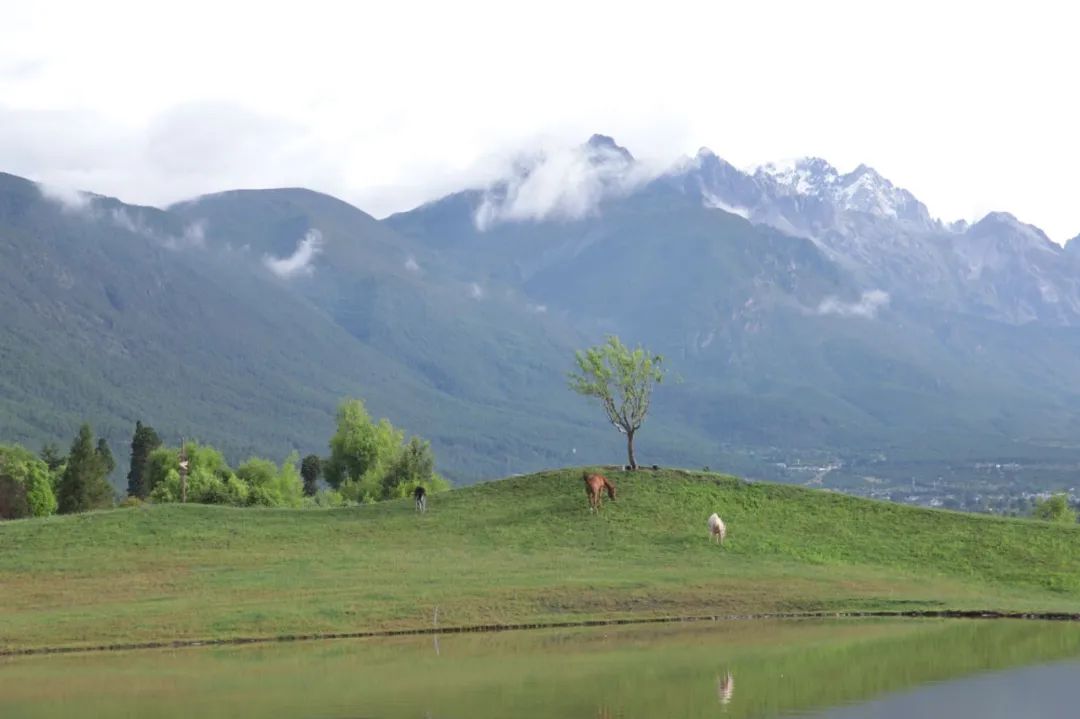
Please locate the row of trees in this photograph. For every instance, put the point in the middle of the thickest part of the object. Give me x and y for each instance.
(368, 461)
(39, 485)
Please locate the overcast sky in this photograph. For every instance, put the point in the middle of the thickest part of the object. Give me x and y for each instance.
(971, 106)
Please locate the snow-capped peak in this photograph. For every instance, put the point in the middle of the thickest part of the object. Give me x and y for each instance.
(802, 176)
(864, 190)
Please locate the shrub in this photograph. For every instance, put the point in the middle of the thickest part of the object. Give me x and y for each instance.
(269, 486)
(1055, 509)
(26, 486)
(327, 498)
(39, 492)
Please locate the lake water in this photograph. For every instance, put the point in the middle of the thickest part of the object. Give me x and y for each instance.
(840, 669)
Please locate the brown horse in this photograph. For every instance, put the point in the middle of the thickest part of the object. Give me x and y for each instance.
(594, 484)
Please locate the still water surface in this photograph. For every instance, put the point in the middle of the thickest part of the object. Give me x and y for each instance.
(839, 669)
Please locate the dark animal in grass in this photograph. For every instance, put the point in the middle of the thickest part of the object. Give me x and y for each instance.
(594, 485)
(420, 496)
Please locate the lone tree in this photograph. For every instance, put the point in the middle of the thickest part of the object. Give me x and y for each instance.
(143, 442)
(310, 469)
(622, 379)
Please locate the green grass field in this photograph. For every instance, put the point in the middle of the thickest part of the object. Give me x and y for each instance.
(518, 550)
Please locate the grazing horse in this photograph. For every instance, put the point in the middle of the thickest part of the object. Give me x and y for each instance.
(717, 528)
(420, 496)
(594, 484)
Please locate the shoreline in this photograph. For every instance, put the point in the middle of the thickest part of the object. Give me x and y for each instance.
(525, 626)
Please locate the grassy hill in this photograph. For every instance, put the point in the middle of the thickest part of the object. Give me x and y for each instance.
(518, 550)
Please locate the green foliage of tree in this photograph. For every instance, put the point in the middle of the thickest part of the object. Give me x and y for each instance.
(83, 485)
(414, 466)
(25, 484)
(327, 498)
(203, 487)
(369, 460)
(288, 484)
(310, 469)
(622, 380)
(257, 482)
(106, 456)
(158, 464)
(50, 454)
(360, 447)
(144, 441)
(201, 457)
(1054, 509)
(270, 486)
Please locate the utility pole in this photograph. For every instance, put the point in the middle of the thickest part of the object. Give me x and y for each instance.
(184, 463)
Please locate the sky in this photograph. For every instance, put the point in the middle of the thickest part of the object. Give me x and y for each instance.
(971, 106)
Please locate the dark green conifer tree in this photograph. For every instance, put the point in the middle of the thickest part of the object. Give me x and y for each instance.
(310, 469)
(143, 442)
(83, 485)
(50, 455)
(106, 456)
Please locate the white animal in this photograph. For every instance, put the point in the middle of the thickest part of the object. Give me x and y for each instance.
(717, 528)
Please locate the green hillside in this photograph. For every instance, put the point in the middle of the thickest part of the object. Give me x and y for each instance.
(519, 550)
(114, 313)
(104, 322)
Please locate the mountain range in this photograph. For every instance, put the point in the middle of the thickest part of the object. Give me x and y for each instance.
(823, 326)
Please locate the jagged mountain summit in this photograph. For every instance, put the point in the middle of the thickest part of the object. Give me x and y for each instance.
(888, 238)
(882, 235)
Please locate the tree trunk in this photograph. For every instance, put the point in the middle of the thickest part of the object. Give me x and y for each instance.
(630, 449)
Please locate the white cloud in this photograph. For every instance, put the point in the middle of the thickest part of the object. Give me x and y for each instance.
(412, 265)
(122, 219)
(867, 306)
(537, 309)
(711, 200)
(562, 183)
(131, 219)
(476, 291)
(300, 261)
(128, 219)
(69, 199)
(194, 236)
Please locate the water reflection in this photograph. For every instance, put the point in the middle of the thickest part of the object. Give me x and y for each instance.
(687, 670)
(725, 688)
